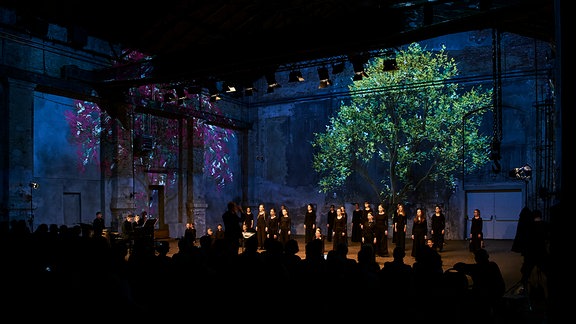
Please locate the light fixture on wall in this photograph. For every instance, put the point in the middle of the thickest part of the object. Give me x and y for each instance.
(214, 92)
(272, 83)
(249, 90)
(324, 77)
(295, 76)
(229, 87)
(358, 62)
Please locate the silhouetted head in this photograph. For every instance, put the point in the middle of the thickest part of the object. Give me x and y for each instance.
(291, 247)
(314, 249)
(232, 206)
(481, 256)
(366, 254)
(398, 253)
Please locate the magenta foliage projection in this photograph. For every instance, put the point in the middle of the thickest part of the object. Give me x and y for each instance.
(89, 125)
(86, 124)
(212, 139)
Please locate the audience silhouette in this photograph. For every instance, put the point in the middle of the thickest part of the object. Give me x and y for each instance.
(61, 259)
(488, 286)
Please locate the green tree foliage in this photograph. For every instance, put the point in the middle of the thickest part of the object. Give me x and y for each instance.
(411, 128)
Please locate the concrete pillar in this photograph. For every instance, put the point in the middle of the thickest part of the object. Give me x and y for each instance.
(19, 148)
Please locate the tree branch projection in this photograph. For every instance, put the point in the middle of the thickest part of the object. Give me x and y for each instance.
(407, 132)
(155, 118)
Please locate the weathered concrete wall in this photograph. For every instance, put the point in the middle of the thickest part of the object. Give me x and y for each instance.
(279, 169)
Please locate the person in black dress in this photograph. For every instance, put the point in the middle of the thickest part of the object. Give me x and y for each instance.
(400, 220)
(381, 231)
(476, 234)
(248, 218)
(340, 232)
(285, 227)
(357, 221)
(273, 225)
(309, 223)
(232, 227)
(438, 221)
(369, 231)
(261, 224)
(330, 223)
(419, 232)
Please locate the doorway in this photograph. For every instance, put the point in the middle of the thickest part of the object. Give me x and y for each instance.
(499, 211)
(156, 210)
(72, 208)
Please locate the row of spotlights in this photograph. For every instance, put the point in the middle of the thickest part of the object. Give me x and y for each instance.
(296, 76)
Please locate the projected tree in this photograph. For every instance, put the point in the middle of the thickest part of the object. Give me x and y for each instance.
(411, 130)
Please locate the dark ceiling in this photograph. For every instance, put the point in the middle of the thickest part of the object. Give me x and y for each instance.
(199, 39)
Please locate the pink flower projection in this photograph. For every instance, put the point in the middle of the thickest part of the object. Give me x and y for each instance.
(90, 127)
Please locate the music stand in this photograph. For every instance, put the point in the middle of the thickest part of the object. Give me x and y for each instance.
(148, 227)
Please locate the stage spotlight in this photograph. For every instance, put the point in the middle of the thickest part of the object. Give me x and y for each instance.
(324, 84)
(34, 185)
(214, 92)
(521, 173)
(295, 76)
(229, 87)
(358, 66)
(324, 78)
(249, 90)
(180, 94)
(272, 83)
(359, 75)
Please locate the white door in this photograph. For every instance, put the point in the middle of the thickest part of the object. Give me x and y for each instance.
(499, 211)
